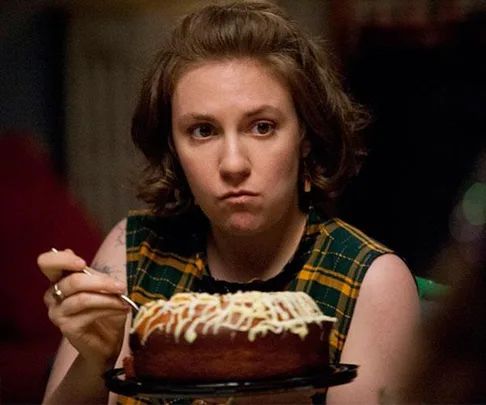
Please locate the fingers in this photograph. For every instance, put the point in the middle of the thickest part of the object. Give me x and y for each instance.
(70, 326)
(95, 282)
(83, 301)
(53, 264)
(80, 291)
(99, 316)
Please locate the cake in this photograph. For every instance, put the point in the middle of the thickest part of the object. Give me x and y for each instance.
(200, 337)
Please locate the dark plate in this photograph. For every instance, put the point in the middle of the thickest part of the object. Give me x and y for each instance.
(335, 374)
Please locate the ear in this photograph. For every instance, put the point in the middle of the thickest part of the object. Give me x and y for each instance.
(305, 148)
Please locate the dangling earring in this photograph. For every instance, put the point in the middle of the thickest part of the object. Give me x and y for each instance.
(307, 179)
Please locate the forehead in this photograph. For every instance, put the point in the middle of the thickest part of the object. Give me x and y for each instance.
(222, 81)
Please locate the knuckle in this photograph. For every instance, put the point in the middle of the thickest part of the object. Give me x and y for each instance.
(51, 313)
(75, 282)
(82, 299)
(41, 260)
(47, 298)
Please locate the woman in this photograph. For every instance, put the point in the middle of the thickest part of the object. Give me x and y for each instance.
(248, 135)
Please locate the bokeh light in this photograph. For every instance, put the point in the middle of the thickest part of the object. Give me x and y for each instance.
(474, 204)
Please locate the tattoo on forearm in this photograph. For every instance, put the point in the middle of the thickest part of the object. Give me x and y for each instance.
(109, 270)
(102, 268)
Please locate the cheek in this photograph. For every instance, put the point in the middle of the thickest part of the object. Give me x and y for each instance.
(196, 171)
(282, 167)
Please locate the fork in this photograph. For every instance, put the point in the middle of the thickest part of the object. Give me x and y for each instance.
(89, 271)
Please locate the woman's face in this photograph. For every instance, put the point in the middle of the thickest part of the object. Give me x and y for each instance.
(236, 133)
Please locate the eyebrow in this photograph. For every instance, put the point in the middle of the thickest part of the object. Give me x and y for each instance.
(249, 114)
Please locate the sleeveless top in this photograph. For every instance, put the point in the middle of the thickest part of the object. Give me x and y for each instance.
(168, 255)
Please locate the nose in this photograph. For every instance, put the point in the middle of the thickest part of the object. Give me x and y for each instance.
(235, 165)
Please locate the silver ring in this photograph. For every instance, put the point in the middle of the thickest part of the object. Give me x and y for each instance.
(57, 293)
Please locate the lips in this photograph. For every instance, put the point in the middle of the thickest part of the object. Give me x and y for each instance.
(232, 195)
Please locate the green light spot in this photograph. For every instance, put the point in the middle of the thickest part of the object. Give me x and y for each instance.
(474, 204)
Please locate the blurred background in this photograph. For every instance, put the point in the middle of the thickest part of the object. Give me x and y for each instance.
(70, 73)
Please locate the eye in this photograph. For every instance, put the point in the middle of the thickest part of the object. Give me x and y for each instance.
(202, 131)
(263, 128)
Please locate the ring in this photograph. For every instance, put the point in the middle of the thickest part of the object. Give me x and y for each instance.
(57, 293)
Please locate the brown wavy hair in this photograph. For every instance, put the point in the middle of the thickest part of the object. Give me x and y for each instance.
(260, 30)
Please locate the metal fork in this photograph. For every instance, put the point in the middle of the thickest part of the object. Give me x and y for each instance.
(89, 271)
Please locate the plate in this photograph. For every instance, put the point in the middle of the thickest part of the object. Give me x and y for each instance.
(335, 374)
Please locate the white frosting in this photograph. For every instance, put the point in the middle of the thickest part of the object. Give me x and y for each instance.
(253, 312)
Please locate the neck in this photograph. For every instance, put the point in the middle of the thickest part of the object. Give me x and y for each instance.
(261, 256)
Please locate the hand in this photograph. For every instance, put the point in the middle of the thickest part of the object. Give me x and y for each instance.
(55, 264)
(88, 311)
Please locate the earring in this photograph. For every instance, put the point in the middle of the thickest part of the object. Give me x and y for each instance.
(307, 179)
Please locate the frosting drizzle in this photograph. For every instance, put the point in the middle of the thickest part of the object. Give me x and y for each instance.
(257, 313)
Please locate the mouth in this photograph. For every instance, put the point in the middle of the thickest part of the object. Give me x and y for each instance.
(240, 194)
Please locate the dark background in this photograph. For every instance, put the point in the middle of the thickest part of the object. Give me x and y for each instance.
(32, 52)
(428, 103)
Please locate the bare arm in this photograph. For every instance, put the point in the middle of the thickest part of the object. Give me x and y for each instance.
(385, 319)
(74, 377)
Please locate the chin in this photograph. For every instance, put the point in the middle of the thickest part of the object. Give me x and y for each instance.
(243, 224)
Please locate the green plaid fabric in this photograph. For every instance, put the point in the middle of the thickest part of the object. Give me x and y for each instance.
(167, 255)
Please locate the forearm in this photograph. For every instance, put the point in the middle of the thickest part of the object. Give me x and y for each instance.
(82, 384)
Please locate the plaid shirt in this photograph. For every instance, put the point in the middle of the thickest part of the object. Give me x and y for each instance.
(167, 255)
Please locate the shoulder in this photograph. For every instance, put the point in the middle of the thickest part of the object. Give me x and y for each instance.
(117, 233)
(389, 275)
(388, 302)
(388, 292)
(115, 240)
